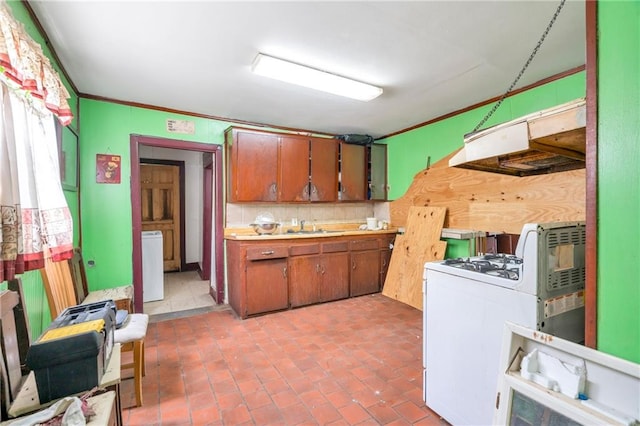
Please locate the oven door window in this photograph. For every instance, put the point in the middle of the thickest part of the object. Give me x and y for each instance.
(527, 412)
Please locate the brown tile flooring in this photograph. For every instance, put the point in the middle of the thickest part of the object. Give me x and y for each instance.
(351, 362)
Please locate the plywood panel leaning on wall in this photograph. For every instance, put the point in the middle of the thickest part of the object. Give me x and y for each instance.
(486, 201)
(420, 243)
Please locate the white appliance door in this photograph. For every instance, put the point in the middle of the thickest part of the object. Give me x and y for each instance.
(463, 335)
(152, 266)
(424, 328)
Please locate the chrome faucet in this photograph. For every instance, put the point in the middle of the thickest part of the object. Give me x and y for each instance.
(302, 225)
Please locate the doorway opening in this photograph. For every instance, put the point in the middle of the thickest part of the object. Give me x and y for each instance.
(211, 262)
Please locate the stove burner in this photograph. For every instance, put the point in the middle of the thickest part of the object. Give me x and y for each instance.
(503, 258)
(491, 264)
(511, 274)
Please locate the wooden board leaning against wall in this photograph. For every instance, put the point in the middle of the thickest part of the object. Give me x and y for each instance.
(420, 243)
(493, 202)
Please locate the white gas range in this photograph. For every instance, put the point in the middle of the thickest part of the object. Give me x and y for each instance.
(467, 301)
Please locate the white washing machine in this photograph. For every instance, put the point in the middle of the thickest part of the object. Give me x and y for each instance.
(152, 266)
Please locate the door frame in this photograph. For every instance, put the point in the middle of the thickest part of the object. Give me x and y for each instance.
(207, 180)
(136, 211)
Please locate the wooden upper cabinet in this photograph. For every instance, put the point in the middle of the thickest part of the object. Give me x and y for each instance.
(324, 170)
(377, 171)
(276, 167)
(353, 182)
(253, 172)
(294, 168)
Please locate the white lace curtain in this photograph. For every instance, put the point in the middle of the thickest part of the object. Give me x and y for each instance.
(33, 210)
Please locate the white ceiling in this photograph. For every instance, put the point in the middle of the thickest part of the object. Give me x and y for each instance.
(431, 57)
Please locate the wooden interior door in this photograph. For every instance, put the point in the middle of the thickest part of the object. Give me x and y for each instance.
(160, 202)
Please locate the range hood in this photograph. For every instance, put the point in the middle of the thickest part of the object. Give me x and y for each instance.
(548, 141)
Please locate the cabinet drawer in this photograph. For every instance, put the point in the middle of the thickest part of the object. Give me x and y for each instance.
(356, 245)
(335, 246)
(304, 249)
(267, 252)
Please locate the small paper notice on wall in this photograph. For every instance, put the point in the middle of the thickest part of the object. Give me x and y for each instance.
(181, 126)
(108, 168)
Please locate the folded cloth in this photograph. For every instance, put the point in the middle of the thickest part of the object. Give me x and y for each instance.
(71, 406)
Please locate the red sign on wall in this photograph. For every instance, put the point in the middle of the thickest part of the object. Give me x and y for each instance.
(108, 168)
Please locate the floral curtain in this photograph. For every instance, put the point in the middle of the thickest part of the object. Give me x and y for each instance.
(23, 62)
(33, 210)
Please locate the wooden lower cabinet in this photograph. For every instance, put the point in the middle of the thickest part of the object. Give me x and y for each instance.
(267, 286)
(257, 277)
(318, 278)
(365, 272)
(365, 267)
(265, 277)
(335, 277)
(305, 280)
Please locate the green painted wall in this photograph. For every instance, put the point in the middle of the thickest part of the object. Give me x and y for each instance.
(407, 152)
(106, 208)
(619, 178)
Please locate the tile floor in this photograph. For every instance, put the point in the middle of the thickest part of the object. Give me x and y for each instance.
(182, 291)
(351, 362)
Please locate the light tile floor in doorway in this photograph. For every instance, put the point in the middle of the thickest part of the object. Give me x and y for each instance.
(350, 362)
(182, 291)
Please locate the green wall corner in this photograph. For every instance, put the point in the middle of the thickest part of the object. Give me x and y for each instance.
(618, 297)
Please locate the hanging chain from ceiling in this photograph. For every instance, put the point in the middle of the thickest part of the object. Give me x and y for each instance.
(533, 54)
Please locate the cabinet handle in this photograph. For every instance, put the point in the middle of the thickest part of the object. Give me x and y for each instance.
(284, 272)
(353, 265)
(268, 252)
(323, 270)
(314, 189)
(274, 188)
(318, 268)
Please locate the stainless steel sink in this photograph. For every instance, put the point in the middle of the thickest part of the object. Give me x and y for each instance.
(306, 231)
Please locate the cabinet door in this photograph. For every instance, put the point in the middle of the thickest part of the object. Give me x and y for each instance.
(385, 258)
(365, 272)
(254, 166)
(377, 172)
(293, 177)
(304, 276)
(352, 172)
(335, 277)
(324, 169)
(267, 288)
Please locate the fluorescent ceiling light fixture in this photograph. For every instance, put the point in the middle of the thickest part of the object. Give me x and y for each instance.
(278, 69)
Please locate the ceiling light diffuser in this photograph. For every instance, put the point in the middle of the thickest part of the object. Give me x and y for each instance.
(278, 69)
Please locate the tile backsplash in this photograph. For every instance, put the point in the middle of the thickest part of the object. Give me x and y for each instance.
(241, 215)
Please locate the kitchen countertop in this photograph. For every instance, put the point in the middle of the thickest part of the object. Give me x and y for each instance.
(248, 234)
